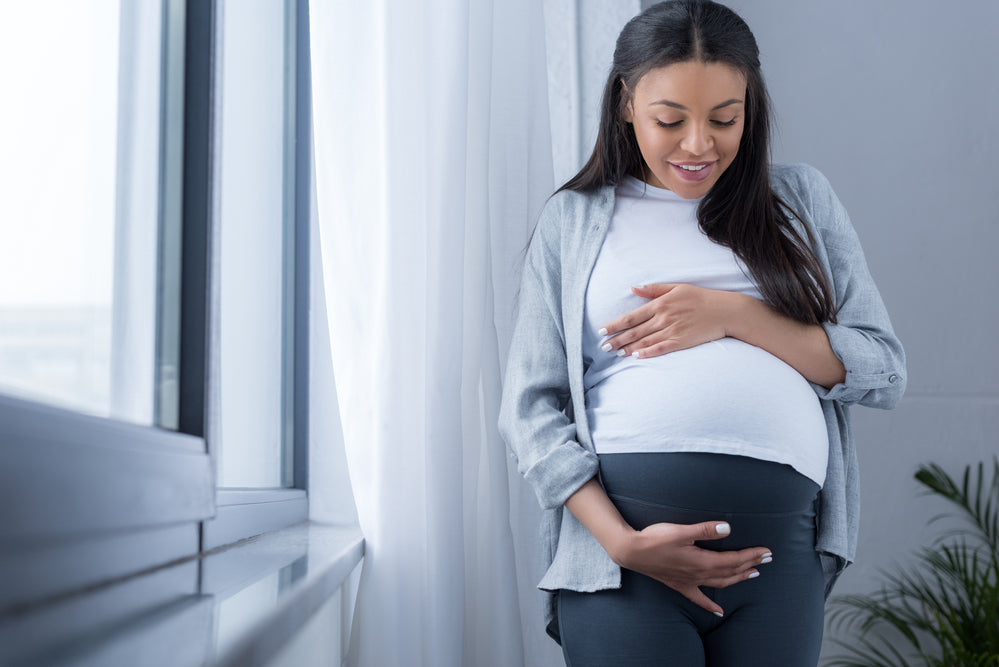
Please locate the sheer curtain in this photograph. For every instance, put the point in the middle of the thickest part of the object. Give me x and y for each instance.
(433, 158)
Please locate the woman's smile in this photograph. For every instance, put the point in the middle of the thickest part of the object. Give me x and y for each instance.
(693, 171)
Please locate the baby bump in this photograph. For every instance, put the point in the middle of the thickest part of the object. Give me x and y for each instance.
(725, 396)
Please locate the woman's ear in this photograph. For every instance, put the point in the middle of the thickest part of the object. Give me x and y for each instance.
(626, 108)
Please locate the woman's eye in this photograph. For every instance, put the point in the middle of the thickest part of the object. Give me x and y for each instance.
(724, 123)
(668, 125)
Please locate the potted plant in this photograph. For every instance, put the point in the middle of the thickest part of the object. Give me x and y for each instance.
(944, 609)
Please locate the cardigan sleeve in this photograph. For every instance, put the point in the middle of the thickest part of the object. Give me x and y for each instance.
(862, 336)
(534, 419)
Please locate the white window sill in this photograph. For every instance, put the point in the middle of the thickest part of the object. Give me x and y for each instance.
(238, 605)
(243, 513)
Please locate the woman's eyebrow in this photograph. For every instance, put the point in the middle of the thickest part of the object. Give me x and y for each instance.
(677, 105)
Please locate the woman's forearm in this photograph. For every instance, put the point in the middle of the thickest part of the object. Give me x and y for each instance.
(591, 506)
(804, 347)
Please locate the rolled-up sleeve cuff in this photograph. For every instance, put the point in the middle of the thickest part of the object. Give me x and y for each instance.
(857, 385)
(560, 473)
(877, 378)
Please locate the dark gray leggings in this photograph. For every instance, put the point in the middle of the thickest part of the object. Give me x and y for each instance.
(774, 620)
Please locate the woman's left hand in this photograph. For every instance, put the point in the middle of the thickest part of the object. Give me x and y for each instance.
(680, 316)
(677, 317)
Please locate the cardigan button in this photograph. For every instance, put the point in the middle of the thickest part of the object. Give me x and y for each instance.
(892, 378)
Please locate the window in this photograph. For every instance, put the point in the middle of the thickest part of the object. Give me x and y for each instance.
(256, 178)
(128, 353)
(262, 271)
(79, 208)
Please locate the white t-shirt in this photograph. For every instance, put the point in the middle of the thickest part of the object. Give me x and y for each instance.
(725, 396)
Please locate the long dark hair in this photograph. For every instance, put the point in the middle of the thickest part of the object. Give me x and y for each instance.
(741, 211)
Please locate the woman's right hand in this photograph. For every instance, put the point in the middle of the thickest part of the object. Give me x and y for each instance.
(667, 552)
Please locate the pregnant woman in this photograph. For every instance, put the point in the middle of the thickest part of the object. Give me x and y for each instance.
(693, 323)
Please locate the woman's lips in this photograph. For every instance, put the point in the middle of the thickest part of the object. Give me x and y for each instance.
(693, 171)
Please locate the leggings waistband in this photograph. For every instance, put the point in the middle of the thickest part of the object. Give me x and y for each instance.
(707, 482)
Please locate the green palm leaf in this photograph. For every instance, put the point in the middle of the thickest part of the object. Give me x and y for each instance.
(944, 609)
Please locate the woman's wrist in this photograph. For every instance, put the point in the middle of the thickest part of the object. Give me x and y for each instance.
(591, 506)
(621, 545)
(737, 308)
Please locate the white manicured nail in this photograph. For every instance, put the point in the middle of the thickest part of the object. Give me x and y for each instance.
(602, 332)
(642, 286)
(766, 559)
(718, 614)
(621, 352)
(753, 575)
(606, 347)
(636, 354)
(723, 529)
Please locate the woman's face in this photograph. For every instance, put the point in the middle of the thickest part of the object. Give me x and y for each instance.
(688, 119)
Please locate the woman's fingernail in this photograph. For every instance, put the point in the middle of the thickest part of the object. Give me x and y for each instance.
(636, 354)
(606, 347)
(642, 286)
(621, 352)
(766, 559)
(753, 575)
(602, 332)
(718, 614)
(723, 529)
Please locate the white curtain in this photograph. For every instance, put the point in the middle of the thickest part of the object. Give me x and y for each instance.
(433, 158)
(580, 36)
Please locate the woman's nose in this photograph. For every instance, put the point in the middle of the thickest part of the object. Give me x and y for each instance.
(697, 141)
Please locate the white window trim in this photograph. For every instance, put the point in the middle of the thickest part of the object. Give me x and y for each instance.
(245, 513)
(85, 499)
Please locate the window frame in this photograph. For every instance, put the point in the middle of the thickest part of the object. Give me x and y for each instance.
(244, 513)
(87, 500)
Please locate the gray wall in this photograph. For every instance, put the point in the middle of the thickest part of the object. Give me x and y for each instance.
(897, 102)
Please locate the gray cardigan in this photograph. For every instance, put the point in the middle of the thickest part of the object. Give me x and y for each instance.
(543, 415)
